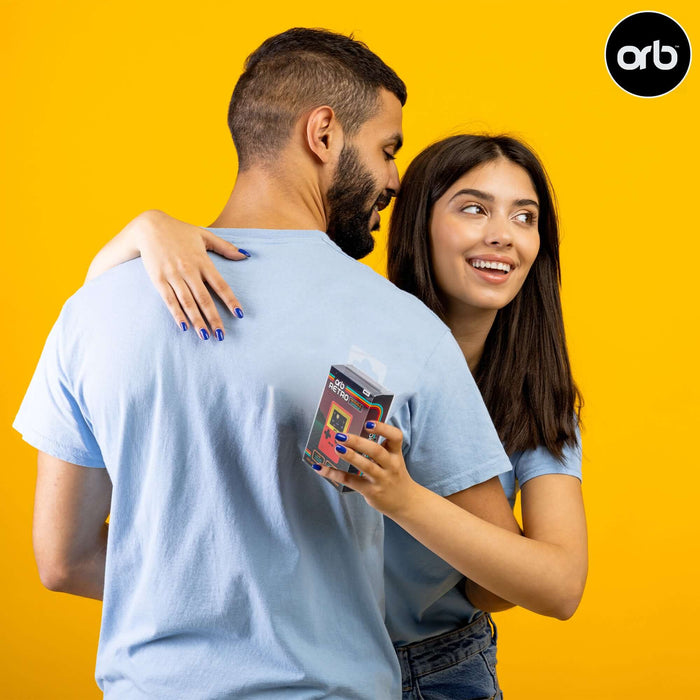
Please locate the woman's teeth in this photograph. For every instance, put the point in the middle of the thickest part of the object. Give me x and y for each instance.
(485, 264)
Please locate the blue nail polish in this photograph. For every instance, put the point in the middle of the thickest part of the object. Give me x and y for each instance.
(370, 424)
(204, 334)
(219, 334)
(317, 467)
(239, 312)
(341, 448)
(245, 252)
(183, 325)
(341, 437)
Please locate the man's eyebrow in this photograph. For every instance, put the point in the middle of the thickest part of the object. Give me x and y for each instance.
(397, 141)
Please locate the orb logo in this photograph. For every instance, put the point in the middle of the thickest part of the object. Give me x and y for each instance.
(648, 54)
(640, 57)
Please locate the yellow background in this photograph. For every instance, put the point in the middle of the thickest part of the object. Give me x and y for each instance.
(114, 107)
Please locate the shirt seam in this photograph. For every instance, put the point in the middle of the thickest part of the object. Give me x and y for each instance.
(33, 436)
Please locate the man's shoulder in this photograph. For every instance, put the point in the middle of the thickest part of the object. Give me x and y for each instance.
(314, 254)
(401, 303)
(124, 286)
(379, 290)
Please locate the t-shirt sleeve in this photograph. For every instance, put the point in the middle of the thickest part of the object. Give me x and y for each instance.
(540, 461)
(450, 442)
(50, 417)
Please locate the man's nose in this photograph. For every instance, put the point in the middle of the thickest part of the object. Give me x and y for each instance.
(394, 182)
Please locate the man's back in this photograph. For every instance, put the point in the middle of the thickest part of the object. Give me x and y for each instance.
(233, 570)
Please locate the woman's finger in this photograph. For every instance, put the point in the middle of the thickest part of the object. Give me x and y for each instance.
(393, 437)
(207, 307)
(224, 248)
(190, 307)
(364, 446)
(171, 301)
(221, 288)
(368, 467)
(355, 482)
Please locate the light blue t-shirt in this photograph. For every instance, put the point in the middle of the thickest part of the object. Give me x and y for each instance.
(234, 570)
(423, 599)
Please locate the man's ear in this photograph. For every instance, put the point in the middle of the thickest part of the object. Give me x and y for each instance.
(324, 135)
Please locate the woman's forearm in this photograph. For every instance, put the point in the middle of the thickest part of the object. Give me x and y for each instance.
(542, 576)
(542, 569)
(124, 246)
(482, 599)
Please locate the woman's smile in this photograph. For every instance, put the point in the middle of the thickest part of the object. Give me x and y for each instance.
(493, 269)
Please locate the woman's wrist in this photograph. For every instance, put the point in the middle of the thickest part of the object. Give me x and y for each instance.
(127, 244)
(140, 229)
(415, 505)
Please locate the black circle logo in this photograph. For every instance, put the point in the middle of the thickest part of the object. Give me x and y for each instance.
(648, 54)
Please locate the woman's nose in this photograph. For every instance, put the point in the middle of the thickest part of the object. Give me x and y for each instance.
(497, 234)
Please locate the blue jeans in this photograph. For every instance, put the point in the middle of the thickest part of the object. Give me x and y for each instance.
(459, 665)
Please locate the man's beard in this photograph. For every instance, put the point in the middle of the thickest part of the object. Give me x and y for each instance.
(350, 200)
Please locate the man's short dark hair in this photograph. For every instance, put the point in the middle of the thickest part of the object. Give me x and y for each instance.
(297, 71)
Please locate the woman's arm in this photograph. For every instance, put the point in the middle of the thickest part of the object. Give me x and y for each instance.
(543, 571)
(175, 257)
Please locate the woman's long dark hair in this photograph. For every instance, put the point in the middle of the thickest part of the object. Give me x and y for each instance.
(524, 373)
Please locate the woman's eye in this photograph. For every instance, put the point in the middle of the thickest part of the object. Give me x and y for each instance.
(473, 209)
(525, 217)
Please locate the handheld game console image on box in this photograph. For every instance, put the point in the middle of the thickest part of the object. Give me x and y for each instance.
(350, 398)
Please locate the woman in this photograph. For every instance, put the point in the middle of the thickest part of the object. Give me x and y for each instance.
(474, 235)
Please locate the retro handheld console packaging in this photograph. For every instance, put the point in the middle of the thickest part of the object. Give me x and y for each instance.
(349, 399)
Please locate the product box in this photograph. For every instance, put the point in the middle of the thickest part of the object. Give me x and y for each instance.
(349, 399)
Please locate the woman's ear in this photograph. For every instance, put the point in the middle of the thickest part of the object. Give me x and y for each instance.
(324, 135)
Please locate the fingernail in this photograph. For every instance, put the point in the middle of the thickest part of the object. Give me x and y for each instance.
(341, 448)
(370, 424)
(183, 325)
(239, 312)
(341, 437)
(219, 334)
(245, 252)
(204, 334)
(317, 467)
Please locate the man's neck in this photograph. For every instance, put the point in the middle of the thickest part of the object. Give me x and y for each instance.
(261, 199)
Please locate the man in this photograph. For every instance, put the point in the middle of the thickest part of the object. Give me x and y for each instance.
(231, 569)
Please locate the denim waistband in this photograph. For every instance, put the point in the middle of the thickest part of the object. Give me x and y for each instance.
(447, 649)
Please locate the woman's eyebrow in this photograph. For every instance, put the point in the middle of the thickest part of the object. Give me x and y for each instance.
(526, 202)
(474, 193)
(490, 198)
